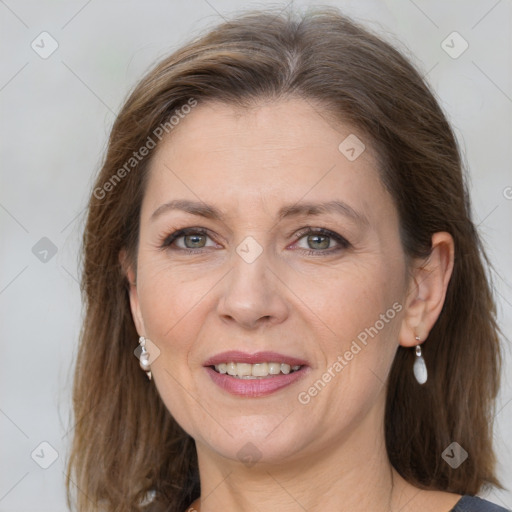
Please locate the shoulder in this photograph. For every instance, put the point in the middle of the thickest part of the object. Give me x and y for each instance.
(475, 504)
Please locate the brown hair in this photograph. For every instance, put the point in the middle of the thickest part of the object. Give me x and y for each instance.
(126, 443)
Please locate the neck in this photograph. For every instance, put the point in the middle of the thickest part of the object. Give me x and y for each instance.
(351, 474)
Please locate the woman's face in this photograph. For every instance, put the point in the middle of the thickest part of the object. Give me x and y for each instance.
(264, 267)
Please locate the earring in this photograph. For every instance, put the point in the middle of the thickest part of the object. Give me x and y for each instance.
(420, 368)
(144, 357)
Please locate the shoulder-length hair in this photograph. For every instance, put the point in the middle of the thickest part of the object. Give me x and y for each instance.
(126, 443)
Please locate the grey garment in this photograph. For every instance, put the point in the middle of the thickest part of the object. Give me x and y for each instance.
(475, 504)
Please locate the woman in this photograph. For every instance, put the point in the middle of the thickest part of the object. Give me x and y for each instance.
(282, 232)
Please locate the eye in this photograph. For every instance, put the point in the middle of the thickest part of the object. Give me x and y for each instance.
(188, 239)
(320, 241)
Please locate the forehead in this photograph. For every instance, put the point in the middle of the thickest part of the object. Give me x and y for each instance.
(273, 152)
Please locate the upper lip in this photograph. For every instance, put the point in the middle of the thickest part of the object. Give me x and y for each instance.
(237, 356)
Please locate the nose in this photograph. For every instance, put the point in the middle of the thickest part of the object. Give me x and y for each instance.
(253, 295)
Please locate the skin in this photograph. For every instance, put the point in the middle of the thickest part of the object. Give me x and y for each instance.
(328, 454)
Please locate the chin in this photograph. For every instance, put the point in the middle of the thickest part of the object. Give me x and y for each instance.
(263, 443)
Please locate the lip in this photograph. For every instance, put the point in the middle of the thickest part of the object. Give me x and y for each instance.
(252, 388)
(235, 356)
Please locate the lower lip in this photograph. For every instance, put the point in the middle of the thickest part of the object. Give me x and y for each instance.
(254, 387)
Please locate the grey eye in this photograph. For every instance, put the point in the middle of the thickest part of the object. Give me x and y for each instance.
(194, 241)
(318, 241)
(315, 241)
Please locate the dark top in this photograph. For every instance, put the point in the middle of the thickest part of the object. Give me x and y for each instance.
(475, 504)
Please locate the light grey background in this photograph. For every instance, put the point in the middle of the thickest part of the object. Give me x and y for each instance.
(56, 114)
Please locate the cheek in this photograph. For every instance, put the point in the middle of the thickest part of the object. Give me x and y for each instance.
(170, 302)
(173, 307)
(351, 299)
(359, 315)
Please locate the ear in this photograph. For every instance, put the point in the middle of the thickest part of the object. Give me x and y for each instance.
(427, 290)
(131, 276)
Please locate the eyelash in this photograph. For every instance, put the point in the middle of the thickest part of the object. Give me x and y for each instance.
(343, 243)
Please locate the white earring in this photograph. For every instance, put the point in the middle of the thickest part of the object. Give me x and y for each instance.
(144, 357)
(420, 368)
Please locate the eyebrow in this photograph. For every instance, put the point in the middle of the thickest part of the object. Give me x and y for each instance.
(303, 208)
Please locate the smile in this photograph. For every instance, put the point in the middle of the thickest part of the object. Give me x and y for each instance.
(255, 375)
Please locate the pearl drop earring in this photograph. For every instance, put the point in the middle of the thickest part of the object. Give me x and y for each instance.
(144, 357)
(420, 368)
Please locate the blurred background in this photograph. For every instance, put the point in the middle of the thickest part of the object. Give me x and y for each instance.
(67, 68)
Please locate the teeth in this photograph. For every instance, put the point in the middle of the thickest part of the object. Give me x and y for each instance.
(274, 368)
(253, 371)
(259, 370)
(243, 369)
